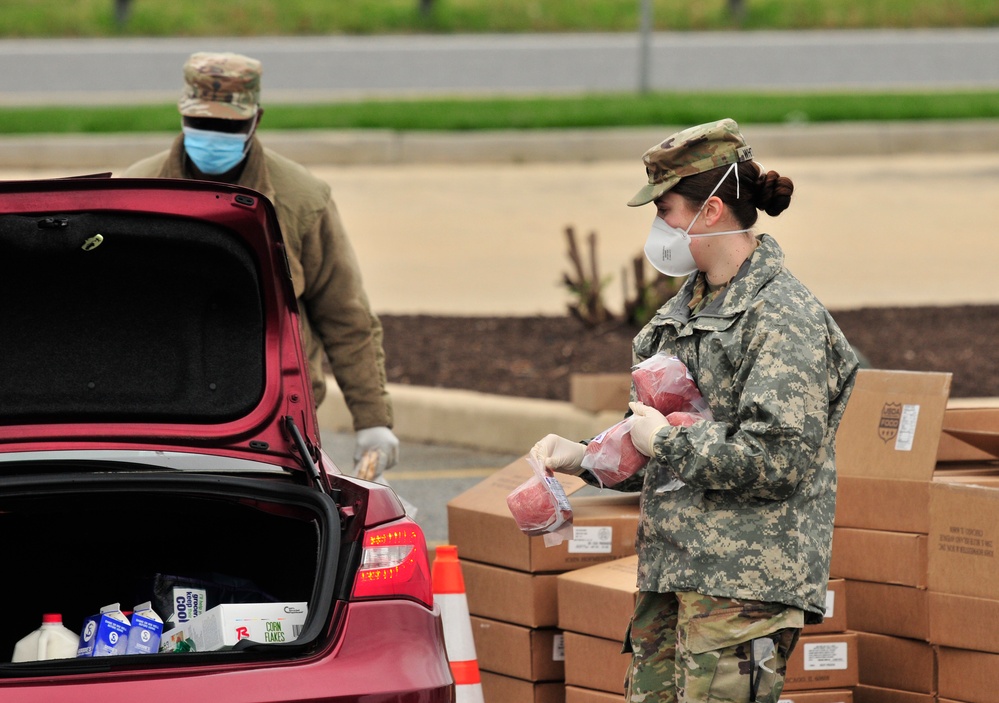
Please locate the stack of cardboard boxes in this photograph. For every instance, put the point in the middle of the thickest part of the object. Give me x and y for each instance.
(596, 603)
(912, 539)
(511, 579)
(913, 609)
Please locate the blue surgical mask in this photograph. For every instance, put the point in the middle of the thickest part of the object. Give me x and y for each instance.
(214, 153)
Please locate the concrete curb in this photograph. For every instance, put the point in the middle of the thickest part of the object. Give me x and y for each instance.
(114, 152)
(474, 420)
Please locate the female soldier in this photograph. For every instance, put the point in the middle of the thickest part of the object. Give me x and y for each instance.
(735, 532)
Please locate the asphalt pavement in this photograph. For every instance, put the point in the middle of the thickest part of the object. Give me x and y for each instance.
(302, 69)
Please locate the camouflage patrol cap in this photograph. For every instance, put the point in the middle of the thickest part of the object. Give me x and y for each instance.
(221, 85)
(694, 150)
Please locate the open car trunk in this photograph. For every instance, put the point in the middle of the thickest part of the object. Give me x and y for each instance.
(74, 543)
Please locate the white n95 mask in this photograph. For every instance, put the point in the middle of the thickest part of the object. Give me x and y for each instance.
(668, 248)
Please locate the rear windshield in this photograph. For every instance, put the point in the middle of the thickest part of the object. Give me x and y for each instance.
(123, 317)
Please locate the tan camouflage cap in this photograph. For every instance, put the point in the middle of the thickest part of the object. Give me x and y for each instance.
(694, 150)
(221, 85)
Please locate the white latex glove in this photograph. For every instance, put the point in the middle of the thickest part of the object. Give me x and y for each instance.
(560, 454)
(380, 440)
(646, 423)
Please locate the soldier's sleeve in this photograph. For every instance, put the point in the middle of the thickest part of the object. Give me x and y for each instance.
(337, 308)
(778, 426)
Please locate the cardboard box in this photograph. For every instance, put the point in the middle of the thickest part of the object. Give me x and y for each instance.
(964, 540)
(837, 696)
(599, 600)
(886, 449)
(964, 622)
(226, 624)
(823, 661)
(522, 652)
(875, 694)
(879, 556)
(575, 694)
(896, 663)
(481, 526)
(967, 424)
(835, 617)
(511, 596)
(902, 611)
(968, 676)
(595, 663)
(596, 392)
(497, 688)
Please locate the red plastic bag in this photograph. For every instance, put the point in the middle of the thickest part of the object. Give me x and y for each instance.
(611, 457)
(664, 383)
(540, 507)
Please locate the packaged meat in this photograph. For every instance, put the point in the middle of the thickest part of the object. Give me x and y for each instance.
(611, 457)
(540, 507)
(664, 383)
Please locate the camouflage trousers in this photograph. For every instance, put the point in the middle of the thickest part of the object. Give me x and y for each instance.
(691, 648)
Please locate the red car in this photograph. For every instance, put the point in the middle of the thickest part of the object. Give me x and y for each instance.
(158, 443)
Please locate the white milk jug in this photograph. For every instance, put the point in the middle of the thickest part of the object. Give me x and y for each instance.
(50, 641)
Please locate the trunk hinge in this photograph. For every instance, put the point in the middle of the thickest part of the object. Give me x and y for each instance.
(304, 451)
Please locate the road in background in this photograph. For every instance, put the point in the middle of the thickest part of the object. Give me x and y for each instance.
(303, 69)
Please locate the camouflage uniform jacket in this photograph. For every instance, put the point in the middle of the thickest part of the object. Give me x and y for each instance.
(754, 517)
(337, 320)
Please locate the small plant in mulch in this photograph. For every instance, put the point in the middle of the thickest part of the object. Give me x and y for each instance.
(642, 295)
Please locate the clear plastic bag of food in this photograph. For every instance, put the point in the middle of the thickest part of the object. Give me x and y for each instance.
(540, 507)
(611, 457)
(664, 383)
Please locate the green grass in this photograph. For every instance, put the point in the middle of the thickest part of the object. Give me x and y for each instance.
(611, 110)
(96, 18)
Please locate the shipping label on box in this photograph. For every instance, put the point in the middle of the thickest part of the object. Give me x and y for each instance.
(823, 661)
(226, 624)
(104, 634)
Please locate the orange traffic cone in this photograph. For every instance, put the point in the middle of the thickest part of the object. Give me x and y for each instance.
(449, 594)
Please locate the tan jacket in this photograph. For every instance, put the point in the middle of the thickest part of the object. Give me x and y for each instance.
(336, 317)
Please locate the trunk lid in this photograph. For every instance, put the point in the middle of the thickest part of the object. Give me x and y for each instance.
(149, 314)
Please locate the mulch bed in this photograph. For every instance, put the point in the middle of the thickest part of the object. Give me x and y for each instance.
(534, 356)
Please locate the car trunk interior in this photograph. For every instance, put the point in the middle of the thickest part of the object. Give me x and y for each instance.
(127, 317)
(74, 543)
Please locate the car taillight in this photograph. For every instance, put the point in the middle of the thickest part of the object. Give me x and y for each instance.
(394, 563)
